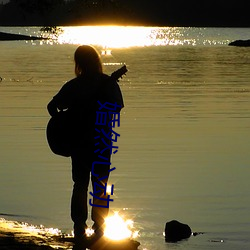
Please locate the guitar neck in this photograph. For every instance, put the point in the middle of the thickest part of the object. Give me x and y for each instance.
(119, 73)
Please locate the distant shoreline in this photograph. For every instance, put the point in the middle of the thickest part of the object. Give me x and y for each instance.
(16, 37)
(123, 25)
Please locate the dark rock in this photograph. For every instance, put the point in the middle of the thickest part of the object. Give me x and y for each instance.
(176, 231)
(14, 37)
(240, 43)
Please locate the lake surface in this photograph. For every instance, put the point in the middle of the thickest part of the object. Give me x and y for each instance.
(185, 132)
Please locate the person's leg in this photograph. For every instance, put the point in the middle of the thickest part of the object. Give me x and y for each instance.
(79, 205)
(100, 208)
(79, 209)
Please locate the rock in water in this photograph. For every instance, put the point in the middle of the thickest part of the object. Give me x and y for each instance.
(240, 43)
(176, 231)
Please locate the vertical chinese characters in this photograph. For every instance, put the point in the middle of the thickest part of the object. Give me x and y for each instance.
(107, 118)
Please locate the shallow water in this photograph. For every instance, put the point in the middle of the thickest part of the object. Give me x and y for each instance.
(184, 145)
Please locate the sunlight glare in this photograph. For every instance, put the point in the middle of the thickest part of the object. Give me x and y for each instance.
(109, 189)
(89, 232)
(119, 229)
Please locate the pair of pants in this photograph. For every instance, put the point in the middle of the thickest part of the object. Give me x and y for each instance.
(82, 161)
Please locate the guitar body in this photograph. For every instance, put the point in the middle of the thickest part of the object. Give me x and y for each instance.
(59, 133)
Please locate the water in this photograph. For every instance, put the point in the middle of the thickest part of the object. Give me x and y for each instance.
(184, 145)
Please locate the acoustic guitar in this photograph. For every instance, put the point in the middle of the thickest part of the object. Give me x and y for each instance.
(59, 127)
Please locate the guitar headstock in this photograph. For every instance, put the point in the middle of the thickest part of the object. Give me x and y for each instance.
(119, 73)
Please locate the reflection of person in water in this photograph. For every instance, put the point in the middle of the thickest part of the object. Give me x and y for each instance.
(80, 96)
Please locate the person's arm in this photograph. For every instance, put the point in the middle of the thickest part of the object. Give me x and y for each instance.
(61, 100)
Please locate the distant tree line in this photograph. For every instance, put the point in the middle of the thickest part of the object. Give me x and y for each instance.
(126, 12)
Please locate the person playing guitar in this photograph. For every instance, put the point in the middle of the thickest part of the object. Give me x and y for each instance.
(71, 131)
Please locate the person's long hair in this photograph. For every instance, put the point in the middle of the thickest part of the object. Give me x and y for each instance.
(87, 60)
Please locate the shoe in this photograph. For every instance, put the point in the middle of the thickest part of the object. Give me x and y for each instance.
(81, 242)
(80, 237)
(98, 233)
(98, 229)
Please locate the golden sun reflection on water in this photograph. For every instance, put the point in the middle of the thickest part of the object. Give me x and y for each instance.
(107, 36)
(127, 36)
(116, 228)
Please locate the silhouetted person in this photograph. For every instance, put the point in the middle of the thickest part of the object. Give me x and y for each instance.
(82, 97)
